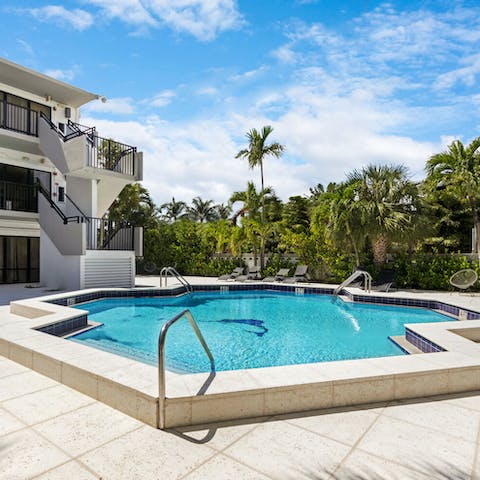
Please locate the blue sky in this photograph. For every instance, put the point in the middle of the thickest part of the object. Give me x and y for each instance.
(343, 83)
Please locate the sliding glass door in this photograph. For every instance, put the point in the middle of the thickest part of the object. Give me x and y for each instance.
(19, 259)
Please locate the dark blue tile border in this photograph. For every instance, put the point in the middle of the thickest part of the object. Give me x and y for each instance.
(422, 343)
(65, 326)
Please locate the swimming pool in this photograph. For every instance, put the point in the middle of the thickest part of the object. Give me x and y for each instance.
(249, 329)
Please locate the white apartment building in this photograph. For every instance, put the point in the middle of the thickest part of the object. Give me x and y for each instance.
(57, 181)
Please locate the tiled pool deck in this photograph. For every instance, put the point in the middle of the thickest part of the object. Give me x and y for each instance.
(131, 387)
(49, 431)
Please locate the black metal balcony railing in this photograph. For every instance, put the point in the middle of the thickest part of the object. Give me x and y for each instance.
(103, 153)
(18, 196)
(102, 234)
(111, 155)
(109, 235)
(19, 119)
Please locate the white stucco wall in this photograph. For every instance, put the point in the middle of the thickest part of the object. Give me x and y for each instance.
(56, 270)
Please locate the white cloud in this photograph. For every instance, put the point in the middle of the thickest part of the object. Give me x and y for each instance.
(465, 75)
(203, 19)
(161, 99)
(325, 137)
(116, 106)
(250, 74)
(25, 46)
(76, 18)
(65, 75)
(285, 54)
(207, 91)
(129, 11)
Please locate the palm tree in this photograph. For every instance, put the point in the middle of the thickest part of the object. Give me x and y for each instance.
(385, 204)
(257, 150)
(135, 205)
(345, 221)
(174, 210)
(251, 200)
(223, 211)
(458, 170)
(202, 210)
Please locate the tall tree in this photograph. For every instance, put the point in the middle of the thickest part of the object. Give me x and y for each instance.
(458, 170)
(251, 200)
(257, 150)
(173, 210)
(134, 205)
(386, 204)
(202, 210)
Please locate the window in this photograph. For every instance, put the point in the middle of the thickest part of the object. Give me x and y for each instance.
(19, 259)
(20, 114)
(61, 194)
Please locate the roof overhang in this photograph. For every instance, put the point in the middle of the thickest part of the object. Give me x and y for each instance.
(39, 84)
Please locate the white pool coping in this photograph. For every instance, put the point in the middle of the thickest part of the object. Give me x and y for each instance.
(132, 386)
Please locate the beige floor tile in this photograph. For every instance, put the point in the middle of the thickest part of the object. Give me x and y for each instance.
(86, 428)
(146, 454)
(54, 401)
(24, 454)
(11, 368)
(417, 447)
(282, 450)
(469, 400)
(69, 471)
(438, 415)
(222, 467)
(360, 465)
(22, 384)
(343, 425)
(8, 423)
(219, 435)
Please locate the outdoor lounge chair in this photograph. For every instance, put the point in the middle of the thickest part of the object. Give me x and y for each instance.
(298, 276)
(253, 274)
(464, 279)
(279, 277)
(231, 276)
(384, 282)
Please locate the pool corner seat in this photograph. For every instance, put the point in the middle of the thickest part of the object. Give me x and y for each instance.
(231, 276)
(300, 275)
(279, 277)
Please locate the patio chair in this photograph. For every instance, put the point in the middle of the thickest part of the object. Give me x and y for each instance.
(464, 279)
(300, 275)
(384, 282)
(231, 276)
(279, 277)
(253, 274)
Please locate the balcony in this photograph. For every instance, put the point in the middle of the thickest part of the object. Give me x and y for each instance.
(108, 154)
(105, 234)
(80, 151)
(18, 197)
(18, 119)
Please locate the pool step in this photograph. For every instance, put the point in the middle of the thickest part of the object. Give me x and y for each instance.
(404, 344)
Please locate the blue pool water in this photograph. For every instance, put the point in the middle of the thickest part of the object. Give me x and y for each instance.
(249, 329)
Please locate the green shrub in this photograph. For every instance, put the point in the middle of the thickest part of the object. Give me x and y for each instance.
(275, 263)
(430, 271)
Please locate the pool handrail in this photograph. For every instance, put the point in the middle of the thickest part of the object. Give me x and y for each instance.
(170, 270)
(357, 273)
(161, 359)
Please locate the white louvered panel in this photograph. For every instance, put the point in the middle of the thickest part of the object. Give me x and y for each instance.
(108, 272)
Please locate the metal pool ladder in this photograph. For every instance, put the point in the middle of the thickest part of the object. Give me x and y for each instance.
(357, 273)
(165, 271)
(161, 359)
